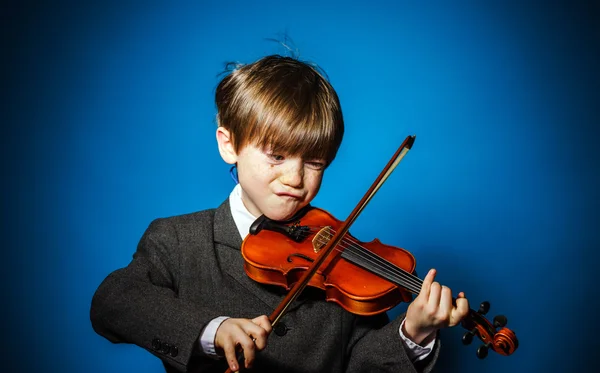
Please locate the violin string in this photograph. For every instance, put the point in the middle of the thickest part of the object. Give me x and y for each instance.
(357, 257)
(399, 275)
(410, 282)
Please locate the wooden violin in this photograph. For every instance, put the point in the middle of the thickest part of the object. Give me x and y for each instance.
(315, 249)
(363, 278)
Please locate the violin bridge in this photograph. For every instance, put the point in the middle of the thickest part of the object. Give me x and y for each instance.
(321, 238)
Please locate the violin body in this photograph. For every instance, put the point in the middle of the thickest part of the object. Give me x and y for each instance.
(273, 258)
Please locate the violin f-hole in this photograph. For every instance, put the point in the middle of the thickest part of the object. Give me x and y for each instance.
(299, 255)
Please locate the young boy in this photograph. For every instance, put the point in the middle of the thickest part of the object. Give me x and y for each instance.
(185, 296)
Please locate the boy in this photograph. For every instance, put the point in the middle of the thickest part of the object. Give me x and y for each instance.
(185, 297)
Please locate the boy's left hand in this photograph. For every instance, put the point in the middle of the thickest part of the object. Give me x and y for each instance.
(433, 309)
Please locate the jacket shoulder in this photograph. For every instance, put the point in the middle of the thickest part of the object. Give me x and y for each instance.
(183, 219)
(184, 224)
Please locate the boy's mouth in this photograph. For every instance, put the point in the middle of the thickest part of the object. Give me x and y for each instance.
(289, 195)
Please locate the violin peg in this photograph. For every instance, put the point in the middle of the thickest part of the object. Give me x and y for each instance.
(484, 307)
(482, 351)
(467, 338)
(500, 321)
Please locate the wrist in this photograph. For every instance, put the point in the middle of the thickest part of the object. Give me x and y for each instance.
(420, 336)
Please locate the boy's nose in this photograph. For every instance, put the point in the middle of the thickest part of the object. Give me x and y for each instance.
(293, 175)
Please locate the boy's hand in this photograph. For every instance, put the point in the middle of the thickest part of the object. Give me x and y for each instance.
(250, 335)
(432, 309)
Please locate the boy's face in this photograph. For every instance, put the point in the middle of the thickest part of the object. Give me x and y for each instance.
(277, 185)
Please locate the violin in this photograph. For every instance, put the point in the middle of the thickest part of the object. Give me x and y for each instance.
(363, 278)
(314, 249)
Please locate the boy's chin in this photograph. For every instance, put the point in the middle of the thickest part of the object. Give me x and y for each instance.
(281, 215)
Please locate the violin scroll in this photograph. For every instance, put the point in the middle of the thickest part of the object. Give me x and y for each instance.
(494, 335)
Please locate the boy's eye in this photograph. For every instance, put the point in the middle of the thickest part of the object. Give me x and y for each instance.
(316, 165)
(276, 157)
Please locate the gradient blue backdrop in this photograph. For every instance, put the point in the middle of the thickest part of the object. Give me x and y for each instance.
(108, 123)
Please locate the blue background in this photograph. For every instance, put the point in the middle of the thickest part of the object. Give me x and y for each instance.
(108, 123)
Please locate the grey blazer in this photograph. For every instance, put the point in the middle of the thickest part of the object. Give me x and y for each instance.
(188, 269)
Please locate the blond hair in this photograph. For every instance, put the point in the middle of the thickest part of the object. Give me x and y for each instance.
(281, 104)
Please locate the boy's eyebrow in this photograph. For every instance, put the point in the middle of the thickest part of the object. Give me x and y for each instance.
(314, 160)
(287, 153)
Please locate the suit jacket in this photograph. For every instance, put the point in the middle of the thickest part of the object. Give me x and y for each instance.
(188, 269)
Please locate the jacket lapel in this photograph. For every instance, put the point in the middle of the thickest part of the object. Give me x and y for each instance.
(228, 243)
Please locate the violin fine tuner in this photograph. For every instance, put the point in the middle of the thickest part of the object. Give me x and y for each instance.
(494, 335)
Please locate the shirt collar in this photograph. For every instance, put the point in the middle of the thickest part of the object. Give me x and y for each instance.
(241, 216)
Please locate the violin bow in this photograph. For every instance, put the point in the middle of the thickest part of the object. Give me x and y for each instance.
(342, 230)
(283, 306)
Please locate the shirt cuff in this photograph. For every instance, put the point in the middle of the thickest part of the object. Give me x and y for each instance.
(207, 338)
(415, 351)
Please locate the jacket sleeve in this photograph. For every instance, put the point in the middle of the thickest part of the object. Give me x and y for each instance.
(376, 346)
(139, 304)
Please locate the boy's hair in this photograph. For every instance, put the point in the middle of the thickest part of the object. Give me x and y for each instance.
(283, 105)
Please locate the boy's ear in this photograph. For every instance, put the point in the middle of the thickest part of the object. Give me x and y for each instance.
(226, 148)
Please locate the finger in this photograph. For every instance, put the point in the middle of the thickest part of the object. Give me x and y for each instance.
(446, 306)
(262, 333)
(264, 322)
(259, 335)
(248, 346)
(462, 310)
(427, 281)
(230, 355)
(435, 292)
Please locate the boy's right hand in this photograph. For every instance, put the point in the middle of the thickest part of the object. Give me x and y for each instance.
(250, 335)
